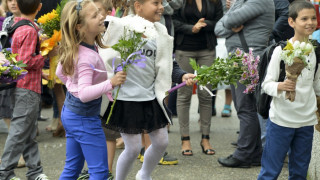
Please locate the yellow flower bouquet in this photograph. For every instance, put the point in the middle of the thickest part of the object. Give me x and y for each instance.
(51, 36)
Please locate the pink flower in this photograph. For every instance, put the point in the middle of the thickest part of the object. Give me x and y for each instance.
(244, 76)
(238, 52)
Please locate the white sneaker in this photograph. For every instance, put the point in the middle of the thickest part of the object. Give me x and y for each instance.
(15, 178)
(42, 177)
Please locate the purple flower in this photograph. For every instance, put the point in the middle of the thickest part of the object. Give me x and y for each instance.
(6, 71)
(9, 49)
(244, 76)
(16, 68)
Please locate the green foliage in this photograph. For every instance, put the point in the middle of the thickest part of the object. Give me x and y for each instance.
(129, 43)
(227, 71)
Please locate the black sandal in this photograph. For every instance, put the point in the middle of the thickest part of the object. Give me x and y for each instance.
(207, 151)
(188, 151)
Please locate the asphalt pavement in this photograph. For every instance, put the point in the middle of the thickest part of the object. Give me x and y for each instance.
(196, 167)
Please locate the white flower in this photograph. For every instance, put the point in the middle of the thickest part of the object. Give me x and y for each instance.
(297, 52)
(302, 45)
(296, 44)
(140, 25)
(308, 48)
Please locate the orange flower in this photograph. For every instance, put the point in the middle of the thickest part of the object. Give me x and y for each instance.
(47, 45)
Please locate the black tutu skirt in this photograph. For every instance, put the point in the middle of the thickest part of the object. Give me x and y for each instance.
(133, 117)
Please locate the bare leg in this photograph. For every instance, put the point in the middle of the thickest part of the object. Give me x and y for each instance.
(111, 145)
(60, 97)
(228, 96)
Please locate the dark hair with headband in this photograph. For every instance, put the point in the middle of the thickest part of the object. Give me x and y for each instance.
(28, 7)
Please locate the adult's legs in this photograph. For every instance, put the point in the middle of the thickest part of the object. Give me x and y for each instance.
(131, 151)
(249, 142)
(184, 99)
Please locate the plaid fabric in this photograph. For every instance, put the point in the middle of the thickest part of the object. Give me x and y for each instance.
(24, 42)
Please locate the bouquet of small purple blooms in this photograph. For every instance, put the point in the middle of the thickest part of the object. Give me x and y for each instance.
(11, 70)
(238, 67)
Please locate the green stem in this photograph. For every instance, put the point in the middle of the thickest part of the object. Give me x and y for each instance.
(114, 102)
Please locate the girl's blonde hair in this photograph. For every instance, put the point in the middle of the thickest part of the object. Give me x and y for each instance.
(71, 37)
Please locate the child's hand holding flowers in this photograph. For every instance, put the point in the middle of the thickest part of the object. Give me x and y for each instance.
(295, 59)
(189, 79)
(118, 79)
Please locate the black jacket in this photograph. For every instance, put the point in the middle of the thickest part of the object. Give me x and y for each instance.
(281, 29)
(214, 13)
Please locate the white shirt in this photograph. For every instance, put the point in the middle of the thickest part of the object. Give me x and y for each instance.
(301, 112)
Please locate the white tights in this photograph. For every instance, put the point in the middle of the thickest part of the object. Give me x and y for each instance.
(152, 156)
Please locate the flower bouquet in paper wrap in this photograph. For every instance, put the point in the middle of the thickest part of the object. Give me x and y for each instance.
(239, 66)
(50, 37)
(11, 70)
(295, 59)
(134, 37)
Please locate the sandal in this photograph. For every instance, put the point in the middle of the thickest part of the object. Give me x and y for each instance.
(186, 152)
(226, 112)
(207, 151)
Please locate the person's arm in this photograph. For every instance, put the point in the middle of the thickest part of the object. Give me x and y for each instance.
(87, 91)
(222, 31)
(270, 84)
(281, 25)
(249, 10)
(218, 13)
(175, 4)
(179, 25)
(177, 73)
(167, 9)
(27, 40)
(316, 82)
(60, 74)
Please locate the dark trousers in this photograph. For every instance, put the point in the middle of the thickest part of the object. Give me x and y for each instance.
(249, 143)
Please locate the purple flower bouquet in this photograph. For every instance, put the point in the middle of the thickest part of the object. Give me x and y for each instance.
(11, 70)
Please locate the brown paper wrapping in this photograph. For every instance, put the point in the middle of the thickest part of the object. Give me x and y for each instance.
(292, 73)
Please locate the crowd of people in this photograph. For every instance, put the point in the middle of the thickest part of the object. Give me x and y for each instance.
(142, 114)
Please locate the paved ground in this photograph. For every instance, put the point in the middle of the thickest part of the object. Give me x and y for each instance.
(197, 167)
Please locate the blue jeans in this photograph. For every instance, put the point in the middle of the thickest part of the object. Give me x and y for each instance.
(85, 141)
(280, 140)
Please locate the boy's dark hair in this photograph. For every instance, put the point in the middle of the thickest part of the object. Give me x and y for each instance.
(28, 7)
(297, 6)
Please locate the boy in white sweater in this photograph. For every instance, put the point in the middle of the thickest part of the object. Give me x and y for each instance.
(290, 126)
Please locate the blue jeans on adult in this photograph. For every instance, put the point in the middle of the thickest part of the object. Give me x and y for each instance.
(85, 141)
(278, 142)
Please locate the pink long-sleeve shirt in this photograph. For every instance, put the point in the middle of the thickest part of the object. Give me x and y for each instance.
(86, 83)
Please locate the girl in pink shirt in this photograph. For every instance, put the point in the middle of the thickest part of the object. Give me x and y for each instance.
(81, 27)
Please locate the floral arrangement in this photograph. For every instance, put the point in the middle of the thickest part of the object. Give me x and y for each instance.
(240, 66)
(11, 70)
(297, 49)
(135, 36)
(295, 59)
(51, 36)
